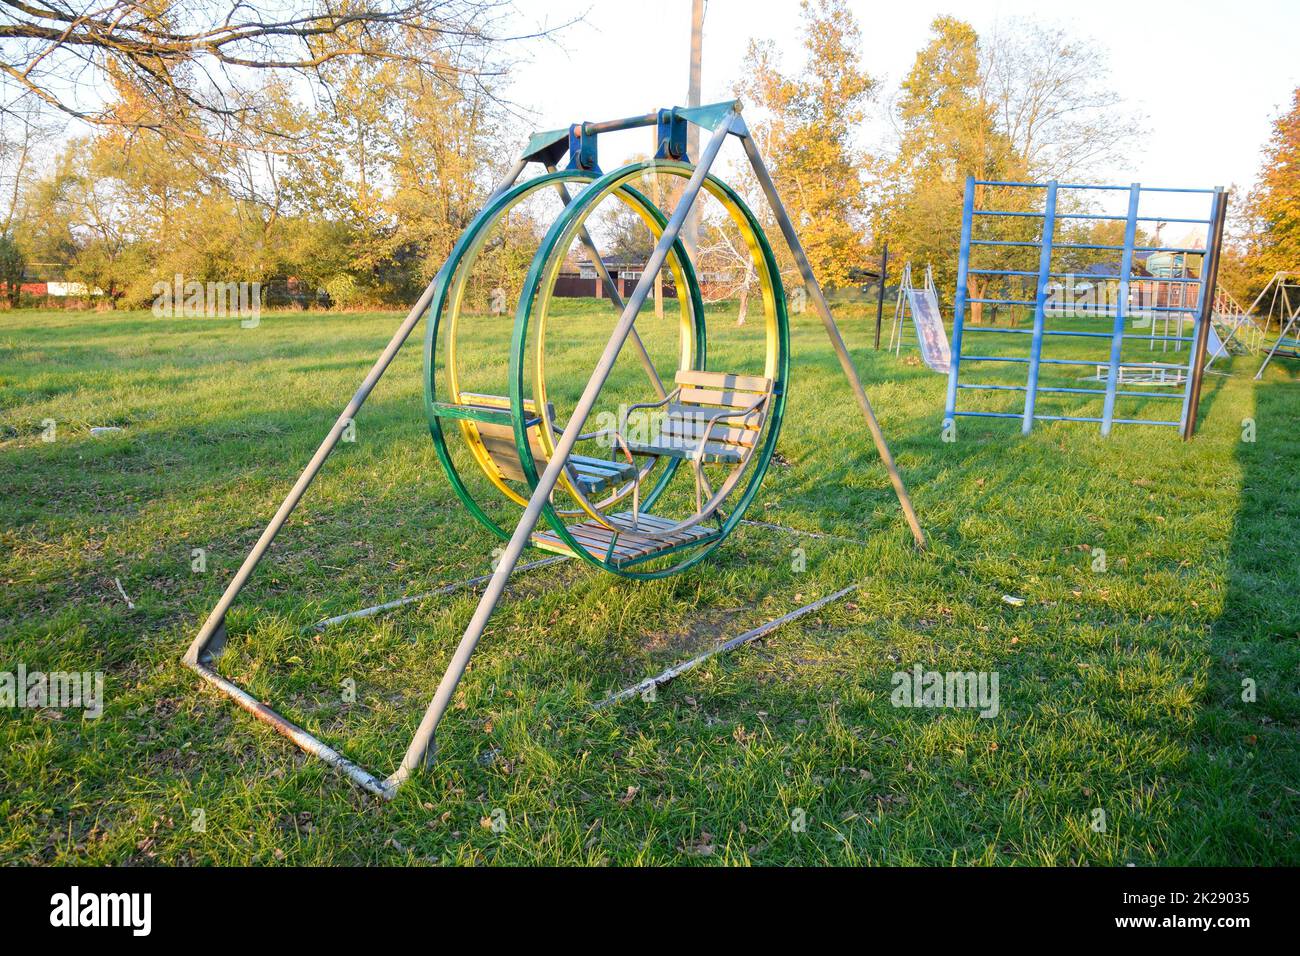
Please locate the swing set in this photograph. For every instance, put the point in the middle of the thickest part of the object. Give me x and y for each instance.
(634, 501)
(1283, 294)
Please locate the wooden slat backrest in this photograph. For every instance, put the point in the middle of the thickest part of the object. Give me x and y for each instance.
(499, 440)
(703, 394)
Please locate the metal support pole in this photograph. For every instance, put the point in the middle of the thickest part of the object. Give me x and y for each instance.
(880, 297)
(614, 296)
(1040, 306)
(213, 633)
(1210, 278)
(959, 302)
(691, 233)
(1241, 318)
(832, 330)
(1121, 308)
(902, 306)
(423, 741)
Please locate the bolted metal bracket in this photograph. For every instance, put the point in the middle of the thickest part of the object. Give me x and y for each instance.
(670, 134)
(582, 149)
(204, 653)
(216, 644)
(712, 115)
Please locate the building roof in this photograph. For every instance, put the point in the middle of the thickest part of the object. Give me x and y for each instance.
(1110, 269)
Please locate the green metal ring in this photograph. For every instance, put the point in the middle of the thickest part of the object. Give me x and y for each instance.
(557, 239)
(483, 221)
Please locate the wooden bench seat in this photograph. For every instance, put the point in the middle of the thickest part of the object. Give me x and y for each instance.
(589, 475)
(713, 417)
(627, 539)
(709, 418)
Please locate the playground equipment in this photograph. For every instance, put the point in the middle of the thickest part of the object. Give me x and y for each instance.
(1236, 326)
(626, 511)
(1283, 293)
(1066, 325)
(922, 306)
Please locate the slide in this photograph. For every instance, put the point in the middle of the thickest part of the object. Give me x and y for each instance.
(1214, 347)
(929, 329)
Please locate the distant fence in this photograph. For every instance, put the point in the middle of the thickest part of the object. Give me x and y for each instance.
(571, 285)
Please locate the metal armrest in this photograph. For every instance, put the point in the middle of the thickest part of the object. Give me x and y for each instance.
(622, 443)
(625, 412)
(723, 415)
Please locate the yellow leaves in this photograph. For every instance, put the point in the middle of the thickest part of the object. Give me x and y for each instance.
(808, 135)
(1275, 202)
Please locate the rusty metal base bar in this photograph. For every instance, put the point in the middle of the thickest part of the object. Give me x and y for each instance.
(424, 596)
(677, 670)
(307, 741)
(282, 725)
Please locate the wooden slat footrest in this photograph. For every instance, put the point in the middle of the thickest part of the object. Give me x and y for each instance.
(650, 538)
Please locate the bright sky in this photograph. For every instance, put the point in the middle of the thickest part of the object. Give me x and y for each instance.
(1209, 76)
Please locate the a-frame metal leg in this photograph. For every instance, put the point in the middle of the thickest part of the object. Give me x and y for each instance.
(611, 288)
(211, 638)
(832, 331)
(422, 743)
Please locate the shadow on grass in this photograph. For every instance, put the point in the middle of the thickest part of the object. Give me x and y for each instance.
(1246, 731)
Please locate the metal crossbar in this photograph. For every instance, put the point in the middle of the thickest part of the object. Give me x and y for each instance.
(1194, 301)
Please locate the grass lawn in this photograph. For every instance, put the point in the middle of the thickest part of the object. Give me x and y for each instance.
(1122, 735)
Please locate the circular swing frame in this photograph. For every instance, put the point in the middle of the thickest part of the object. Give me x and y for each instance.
(529, 411)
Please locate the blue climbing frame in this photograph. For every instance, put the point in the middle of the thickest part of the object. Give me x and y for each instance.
(1045, 276)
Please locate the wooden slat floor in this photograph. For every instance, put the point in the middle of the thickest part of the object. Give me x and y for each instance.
(633, 544)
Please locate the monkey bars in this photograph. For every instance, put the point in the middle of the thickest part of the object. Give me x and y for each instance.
(1049, 216)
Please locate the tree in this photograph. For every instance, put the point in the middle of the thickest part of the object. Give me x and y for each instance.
(12, 265)
(806, 130)
(1273, 206)
(948, 130)
(1013, 108)
(85, 214)
(198, 65)
(399, 167)
(1050, 90)
(24, 135)
(724, 257)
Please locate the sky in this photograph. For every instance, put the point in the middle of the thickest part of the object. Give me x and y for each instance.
(1208, 77)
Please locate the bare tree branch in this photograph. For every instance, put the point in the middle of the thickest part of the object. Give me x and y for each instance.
(187, 67)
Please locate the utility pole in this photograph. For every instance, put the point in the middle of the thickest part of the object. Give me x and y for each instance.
(691, 228)
(880, 296)
(659, 276)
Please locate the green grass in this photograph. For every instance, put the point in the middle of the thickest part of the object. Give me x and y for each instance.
(1119, 691)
